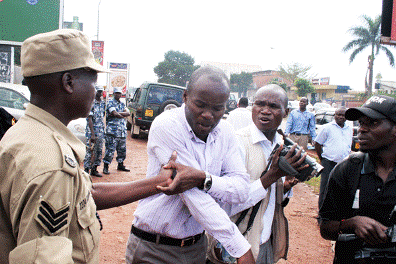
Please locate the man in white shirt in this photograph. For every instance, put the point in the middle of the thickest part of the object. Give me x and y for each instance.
(332, 144)
(268, 235)
(169, 229)
(240, 117)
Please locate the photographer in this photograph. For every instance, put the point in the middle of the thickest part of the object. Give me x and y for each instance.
(361, 192)
(269, 190)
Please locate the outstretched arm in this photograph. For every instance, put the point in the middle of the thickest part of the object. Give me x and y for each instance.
(113, 194)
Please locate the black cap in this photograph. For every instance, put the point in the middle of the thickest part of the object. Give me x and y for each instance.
(377, 107)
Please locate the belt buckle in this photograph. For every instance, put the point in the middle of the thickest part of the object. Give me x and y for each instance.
(184, 241)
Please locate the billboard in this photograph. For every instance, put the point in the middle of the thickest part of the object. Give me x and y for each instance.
(118, 77)
(20, 19)
(98, 50)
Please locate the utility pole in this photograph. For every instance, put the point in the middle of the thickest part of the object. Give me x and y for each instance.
(97, 28)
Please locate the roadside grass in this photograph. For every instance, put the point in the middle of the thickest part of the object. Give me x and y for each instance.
(315, 183)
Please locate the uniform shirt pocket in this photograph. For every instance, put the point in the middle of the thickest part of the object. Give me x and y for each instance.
(89, 225)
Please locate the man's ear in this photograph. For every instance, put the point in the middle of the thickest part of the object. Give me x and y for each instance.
(67, 83)
(184, 96)
(287, 111)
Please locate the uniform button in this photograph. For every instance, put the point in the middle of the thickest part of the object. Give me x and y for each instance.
(379, 189)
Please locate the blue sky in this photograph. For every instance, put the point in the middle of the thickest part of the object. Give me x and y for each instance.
(265, 33)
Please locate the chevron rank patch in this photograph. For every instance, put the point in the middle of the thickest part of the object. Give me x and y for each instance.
(52, 220)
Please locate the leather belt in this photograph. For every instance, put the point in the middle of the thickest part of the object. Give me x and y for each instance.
(164, 240)
(299, 134)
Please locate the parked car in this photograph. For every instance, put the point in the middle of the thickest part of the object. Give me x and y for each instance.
(150, 100)
(319, 105)
(231, 103)
(326, 115)
(15, 97)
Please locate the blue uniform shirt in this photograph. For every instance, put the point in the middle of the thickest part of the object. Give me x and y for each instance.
(115, 126)
(97, 113)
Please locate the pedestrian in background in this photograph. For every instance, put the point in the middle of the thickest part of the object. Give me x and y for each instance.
(240, 117)
(116, 132)
(333, 144)
(300, 125)
(95, 133)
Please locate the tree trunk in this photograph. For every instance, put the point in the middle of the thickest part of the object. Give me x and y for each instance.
(371, 72)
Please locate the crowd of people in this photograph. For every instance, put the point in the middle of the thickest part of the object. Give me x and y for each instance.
(215, 189)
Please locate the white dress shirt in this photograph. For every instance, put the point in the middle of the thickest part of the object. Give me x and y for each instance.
(257, 192)
(191, 212)
(336, 141)
(240, 118)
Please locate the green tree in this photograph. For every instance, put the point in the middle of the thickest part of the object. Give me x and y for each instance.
(281, 84)
(368, 36)
(292, 72)
(241, 82)
(304, 87)
(176, 68)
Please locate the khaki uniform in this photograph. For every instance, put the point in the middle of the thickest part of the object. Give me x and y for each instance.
(47, 213)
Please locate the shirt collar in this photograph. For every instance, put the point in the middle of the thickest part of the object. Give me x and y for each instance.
(368, 167)
(258, 136)
(55, 125)
(337, 125)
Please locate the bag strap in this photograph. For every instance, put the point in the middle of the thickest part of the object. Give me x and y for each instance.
(256, 207)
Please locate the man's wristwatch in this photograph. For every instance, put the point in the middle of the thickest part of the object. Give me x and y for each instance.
(208, 182)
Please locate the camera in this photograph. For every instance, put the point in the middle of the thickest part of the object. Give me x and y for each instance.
(359, 250)
(313, 170)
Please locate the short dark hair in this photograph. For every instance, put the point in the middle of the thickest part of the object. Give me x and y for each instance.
(243, 102)
(213, 73)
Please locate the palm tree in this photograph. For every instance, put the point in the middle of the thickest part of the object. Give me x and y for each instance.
(368, 35)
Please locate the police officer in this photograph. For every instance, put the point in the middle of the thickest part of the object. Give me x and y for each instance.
(95, 140)
(115, 132)
(48, 203)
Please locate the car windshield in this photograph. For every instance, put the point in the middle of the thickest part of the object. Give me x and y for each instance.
(158, 95)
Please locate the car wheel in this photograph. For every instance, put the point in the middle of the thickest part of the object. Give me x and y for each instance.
(168, 105)
(135, 130)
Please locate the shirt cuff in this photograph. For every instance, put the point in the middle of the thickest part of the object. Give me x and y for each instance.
(111, 109)
(238, 245)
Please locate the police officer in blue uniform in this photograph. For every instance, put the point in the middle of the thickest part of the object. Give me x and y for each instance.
(95, 140)
(115, 137)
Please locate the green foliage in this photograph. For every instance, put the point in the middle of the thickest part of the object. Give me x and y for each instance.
(304, 87)
(292, 72)
(281, 84)
(368, 36)
(176, 68)
(241, 82)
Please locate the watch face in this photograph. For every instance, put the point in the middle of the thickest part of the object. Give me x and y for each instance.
(208, 185)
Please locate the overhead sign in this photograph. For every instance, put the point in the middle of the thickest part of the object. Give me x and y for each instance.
(20, 19)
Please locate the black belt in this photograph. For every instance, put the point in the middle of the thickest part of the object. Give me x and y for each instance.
(164, 240)
(299, 134)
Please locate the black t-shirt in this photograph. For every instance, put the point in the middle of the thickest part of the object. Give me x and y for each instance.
(376, 199)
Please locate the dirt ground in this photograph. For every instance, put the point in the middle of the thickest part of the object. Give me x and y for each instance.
(306, 245)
